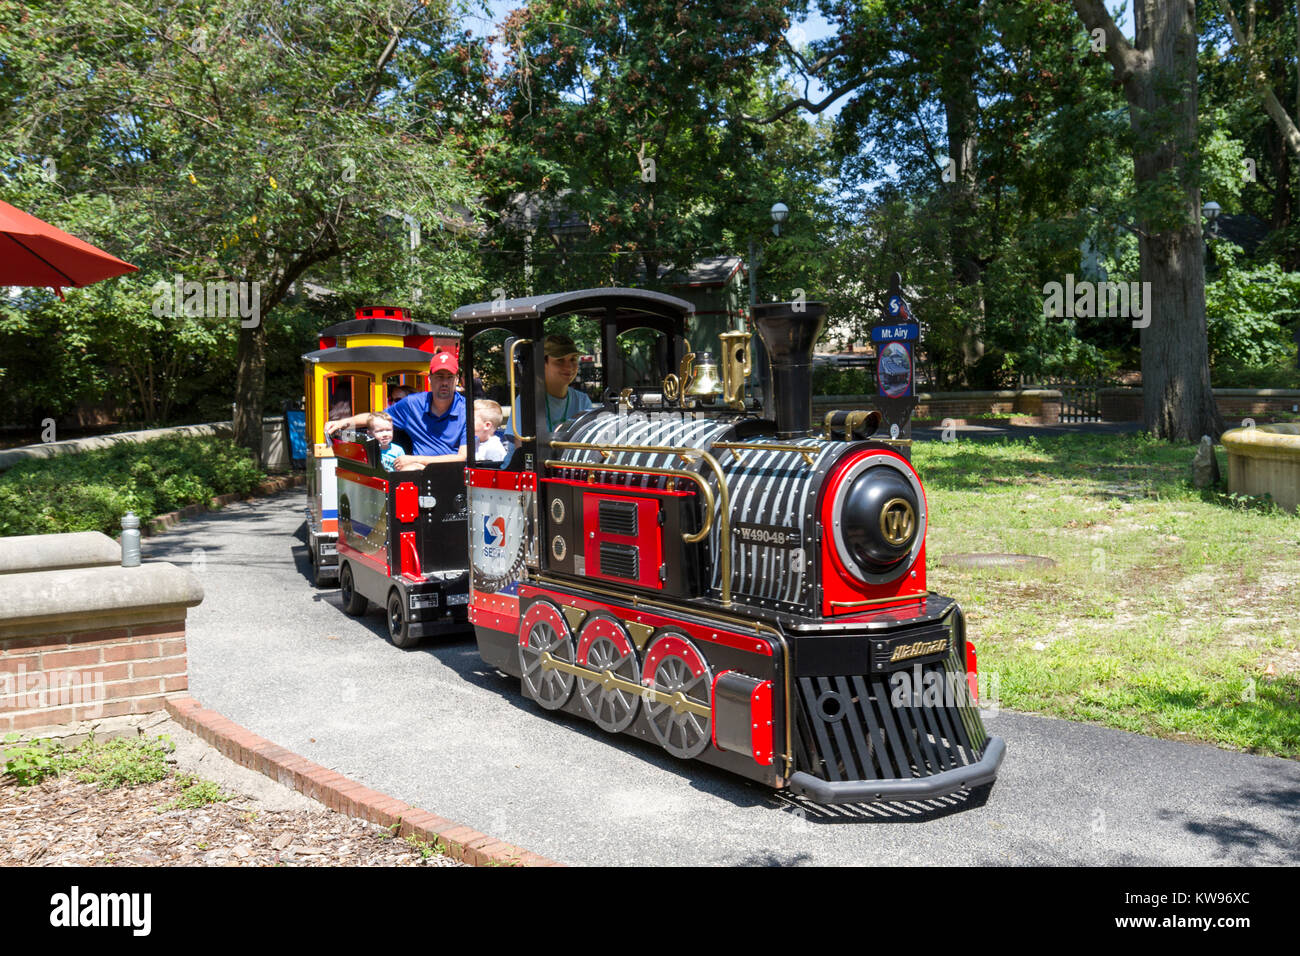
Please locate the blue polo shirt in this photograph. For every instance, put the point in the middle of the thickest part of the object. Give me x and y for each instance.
(431, 434)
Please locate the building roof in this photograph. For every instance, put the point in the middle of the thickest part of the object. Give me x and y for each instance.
(1244, 230)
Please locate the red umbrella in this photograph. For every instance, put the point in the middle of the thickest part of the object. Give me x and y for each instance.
(34, 253)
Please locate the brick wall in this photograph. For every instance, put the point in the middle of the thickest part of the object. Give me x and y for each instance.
(86, 640)
(1125, 404)
(1043, 404)
(61, 678)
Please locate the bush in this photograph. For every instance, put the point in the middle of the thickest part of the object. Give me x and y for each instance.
(91, 491)
(834, 380)
(1278, 374)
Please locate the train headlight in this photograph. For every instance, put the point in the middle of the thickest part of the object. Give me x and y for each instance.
(879, 518)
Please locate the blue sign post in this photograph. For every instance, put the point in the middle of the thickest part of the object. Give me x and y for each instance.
(896, 337)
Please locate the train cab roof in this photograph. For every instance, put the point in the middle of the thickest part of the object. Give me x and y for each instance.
(370, 355)
(402, 327)
(623, 305)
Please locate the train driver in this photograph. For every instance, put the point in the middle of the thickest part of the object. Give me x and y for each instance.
(562, 402)
(435, 419)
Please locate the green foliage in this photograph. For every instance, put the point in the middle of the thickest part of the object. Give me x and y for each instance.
(91, 491)
(626, 146)
(231, 141)
(195, 792)
(120, 762)
(427, 850)
(1251, 310)
(30, 762)
(834, 380)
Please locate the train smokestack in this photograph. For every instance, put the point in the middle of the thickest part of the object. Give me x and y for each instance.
(789, 331)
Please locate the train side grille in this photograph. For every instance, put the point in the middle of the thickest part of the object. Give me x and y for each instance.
(618, 517)
(866, 728)
(620, 560)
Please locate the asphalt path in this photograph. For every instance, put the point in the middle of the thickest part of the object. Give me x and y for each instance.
(441, 730)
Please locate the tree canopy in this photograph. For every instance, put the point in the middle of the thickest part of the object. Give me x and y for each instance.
(984, 148)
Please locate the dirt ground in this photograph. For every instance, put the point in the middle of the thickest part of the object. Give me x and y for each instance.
(63, 822)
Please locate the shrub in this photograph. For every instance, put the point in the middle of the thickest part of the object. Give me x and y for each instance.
(834, 380)
(91, 491)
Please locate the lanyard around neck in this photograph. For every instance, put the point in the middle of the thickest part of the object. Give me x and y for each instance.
(568, 395)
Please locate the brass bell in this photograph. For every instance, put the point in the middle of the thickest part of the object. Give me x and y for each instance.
(704, 383)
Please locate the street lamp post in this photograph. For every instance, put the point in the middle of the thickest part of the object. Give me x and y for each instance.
(1211, 211)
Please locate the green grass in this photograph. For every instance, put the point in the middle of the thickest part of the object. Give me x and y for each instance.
(426, 850)
(1167, 605)
(120, 762)
(196, 792)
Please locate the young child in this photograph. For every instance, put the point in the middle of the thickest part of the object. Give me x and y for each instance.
(381, 428)
(487, 418)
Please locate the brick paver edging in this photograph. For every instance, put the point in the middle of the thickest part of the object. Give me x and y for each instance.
(165, 522)
(346, 796)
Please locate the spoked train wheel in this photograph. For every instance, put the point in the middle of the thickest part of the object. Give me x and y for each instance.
(604, 646)
(674, 667)
(544, 638)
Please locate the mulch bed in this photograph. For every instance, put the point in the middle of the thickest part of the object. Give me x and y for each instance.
(63, 822)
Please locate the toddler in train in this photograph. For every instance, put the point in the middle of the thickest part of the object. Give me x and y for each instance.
(381, 429)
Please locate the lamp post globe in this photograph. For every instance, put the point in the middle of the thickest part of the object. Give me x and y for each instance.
(780, 212)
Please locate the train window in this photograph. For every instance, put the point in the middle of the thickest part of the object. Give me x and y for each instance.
(644, 357)
(397, 387)
(490, 365)
(348, 395)
(585, 334)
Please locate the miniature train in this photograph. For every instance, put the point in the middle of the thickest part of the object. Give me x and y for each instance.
(383, 536)
(685, 566)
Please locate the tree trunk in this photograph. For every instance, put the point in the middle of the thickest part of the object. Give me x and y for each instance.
(1177, 401)
(961, 109)
(1158, 73)
(250, 387)
(962, 225)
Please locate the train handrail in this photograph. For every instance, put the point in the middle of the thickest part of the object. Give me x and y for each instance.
(515, 407)
(809, 452)
(686, 454)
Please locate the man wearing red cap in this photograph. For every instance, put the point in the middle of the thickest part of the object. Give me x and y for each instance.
(435, 419)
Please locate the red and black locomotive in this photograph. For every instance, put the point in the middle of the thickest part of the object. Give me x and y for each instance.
(681, 564)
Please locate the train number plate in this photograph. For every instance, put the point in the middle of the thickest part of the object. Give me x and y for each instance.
(454, 599)
(890, 653)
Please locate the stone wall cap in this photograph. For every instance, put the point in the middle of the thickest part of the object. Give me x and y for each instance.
(52, 552)
(77, 593)
(13, 456)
